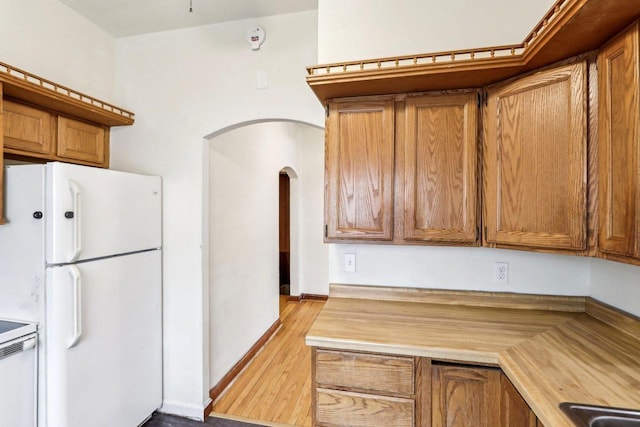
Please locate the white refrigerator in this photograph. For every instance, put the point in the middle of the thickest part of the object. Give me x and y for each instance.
(81, 255)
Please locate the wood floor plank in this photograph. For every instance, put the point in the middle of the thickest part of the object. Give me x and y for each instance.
(276, 386)
(266, 363)
(271, 396)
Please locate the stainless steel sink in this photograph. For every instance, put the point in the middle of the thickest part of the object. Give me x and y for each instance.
(600, 416)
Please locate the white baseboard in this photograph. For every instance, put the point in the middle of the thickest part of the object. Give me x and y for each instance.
(195, 412)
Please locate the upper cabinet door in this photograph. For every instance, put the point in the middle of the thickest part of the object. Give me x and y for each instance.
(440, 173)
(359, 171)
(27, 128)
(82, 141)
(535, 160)
(619, 145)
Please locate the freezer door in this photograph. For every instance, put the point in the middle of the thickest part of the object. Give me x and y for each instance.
(93, 213)
(104, 352)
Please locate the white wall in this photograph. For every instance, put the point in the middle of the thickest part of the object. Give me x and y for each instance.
(616, 284)
(244, 165)
(314, 253)
(441, 267)
(351, 30)
(50, 40)
(184, 85)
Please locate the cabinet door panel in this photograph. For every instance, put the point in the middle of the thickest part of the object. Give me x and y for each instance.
(359, 170)
(465, 397)
(619, 144)
(440, 168)
(514, 411)
(81, 141)
(27, 128)
(535, 160)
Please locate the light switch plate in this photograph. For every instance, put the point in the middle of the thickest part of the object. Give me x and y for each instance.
(350, 263)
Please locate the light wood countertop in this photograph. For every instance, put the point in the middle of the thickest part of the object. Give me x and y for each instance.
(549, 356)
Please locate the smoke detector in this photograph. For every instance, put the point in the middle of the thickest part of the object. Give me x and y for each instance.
(255, 37)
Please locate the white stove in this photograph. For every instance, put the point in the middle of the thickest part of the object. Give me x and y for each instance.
(11, 329)
(18, 373)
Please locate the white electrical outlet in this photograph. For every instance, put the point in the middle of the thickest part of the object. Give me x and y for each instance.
(350, 263)
(501, 272)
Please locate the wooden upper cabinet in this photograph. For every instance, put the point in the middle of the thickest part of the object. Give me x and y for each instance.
(32, 127)
(535, 160)
(42, 134)
(359, 170)
(27, 128)
(440, 172)
(81, 141)
(619, 145)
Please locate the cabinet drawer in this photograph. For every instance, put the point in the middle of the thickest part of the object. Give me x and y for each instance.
(390, 375)
(342, 408)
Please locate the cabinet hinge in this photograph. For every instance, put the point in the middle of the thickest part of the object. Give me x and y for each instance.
(326, 230)
(477, 233)
(326, 110)
(485, 97)
(479, 99)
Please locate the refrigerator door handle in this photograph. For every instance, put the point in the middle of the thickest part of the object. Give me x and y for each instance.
(77, 238)
(77, 305)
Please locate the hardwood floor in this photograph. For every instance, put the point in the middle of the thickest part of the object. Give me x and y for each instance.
(276, 386)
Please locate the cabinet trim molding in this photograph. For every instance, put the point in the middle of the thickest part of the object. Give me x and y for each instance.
(558, 35)
(37, 90)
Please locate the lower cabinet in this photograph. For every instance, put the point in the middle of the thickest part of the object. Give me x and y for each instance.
(364, 390)
(514, 411)
(343, 408)
(465, 396)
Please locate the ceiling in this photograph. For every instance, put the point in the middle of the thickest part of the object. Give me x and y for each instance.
(122, 18)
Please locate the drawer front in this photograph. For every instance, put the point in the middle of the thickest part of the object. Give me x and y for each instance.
(389, 375)
(343, 408)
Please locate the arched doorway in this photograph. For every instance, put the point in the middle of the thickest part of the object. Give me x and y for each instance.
(243, 164)
(284, 232)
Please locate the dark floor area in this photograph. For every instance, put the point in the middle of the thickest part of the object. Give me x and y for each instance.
(164, 420)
